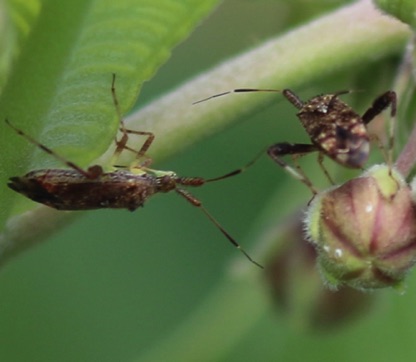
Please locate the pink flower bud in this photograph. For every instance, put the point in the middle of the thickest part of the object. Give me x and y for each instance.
(297, 288)
(364, 231)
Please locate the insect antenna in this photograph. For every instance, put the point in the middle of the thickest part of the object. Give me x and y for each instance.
(238, 90)
(238, 170)
(194, 201)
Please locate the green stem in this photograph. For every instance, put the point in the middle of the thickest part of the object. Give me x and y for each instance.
(212, 330)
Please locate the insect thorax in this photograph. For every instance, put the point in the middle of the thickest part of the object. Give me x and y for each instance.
(336, 129)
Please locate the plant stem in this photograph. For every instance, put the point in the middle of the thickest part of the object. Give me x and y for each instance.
(216, 326)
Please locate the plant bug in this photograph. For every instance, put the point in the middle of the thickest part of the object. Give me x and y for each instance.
(334, 128)
(123, 187)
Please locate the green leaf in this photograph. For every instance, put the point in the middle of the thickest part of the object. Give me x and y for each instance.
(17, 19)
(403, 10)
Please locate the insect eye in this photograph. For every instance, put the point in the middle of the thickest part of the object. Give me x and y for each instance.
(95, 171)
(165, 179)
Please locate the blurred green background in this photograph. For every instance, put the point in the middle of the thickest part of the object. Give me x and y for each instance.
(114, 283)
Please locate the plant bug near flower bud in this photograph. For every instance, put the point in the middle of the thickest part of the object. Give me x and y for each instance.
(334, 128)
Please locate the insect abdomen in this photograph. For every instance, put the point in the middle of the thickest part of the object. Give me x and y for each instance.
(68, 190)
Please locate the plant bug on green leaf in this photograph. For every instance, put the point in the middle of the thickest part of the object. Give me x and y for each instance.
(123, 187)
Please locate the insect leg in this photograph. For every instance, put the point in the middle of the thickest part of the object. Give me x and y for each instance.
(122, 143)
(92, 172)
(141, 153)
(194, 201)
(323, 168)
(387, 99)
(277, 151)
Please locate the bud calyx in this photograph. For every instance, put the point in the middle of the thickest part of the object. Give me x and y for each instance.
(365, 230)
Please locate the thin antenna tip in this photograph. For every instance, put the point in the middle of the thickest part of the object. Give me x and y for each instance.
(238, 90)
(213, 96)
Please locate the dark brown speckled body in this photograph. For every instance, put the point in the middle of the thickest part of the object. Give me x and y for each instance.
(69, 190)
(336, 129)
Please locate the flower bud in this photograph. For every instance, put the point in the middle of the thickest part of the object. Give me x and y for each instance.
(364, 231)
(297, 288)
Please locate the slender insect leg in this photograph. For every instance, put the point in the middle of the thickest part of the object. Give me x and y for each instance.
(297, 167)
(141, 153)
(277, 151)
(122, 143)
(387, 99)
(380, 145)
(194, 201)
(92, 172)
(323, 168)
